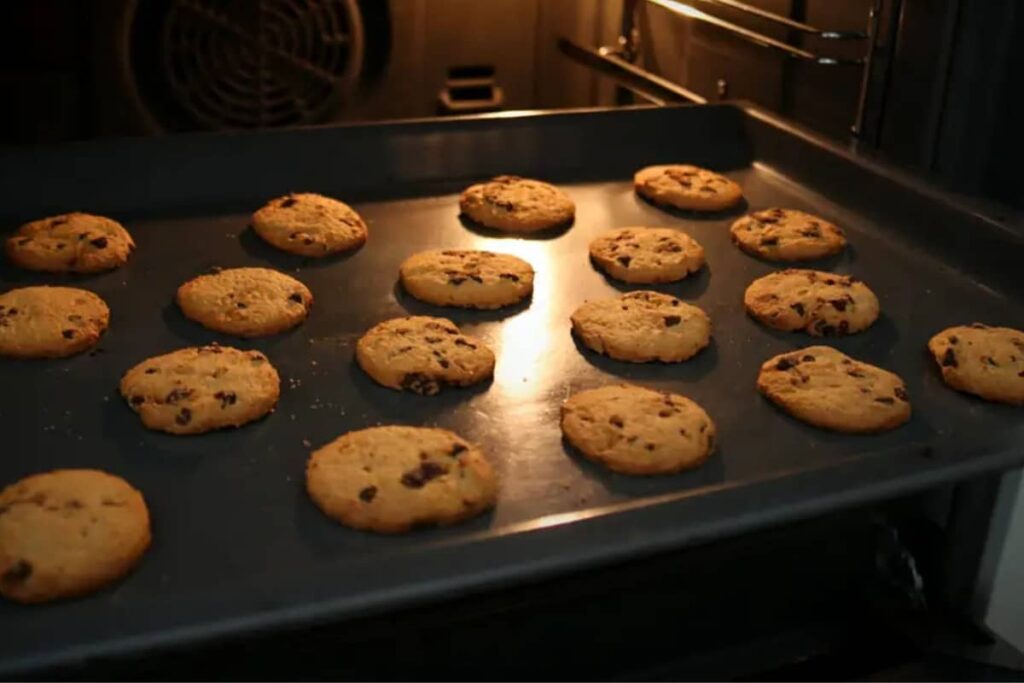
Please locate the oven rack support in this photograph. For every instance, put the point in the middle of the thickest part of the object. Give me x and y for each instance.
(620, 60)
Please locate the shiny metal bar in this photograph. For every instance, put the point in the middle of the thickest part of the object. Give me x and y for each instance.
(786, 21)
(690, 12)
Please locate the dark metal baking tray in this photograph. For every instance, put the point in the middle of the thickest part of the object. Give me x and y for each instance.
(237, 545)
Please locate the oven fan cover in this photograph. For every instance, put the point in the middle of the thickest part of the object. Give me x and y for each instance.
(230, 64)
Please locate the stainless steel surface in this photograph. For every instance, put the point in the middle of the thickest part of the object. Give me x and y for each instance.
(874, 17)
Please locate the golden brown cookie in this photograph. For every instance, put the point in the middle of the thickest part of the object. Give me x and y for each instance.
(826, 388)
(69, 532)
(467, 278)
(687, 187)
(643, 326)
(647, 255)
(70, 243)
(982, 360)
(391, 479)
(787, 235)
(50, 322)
(813, 301)
(196, 390)
(247, 302)
(310, 224)
(633, 430)
(423, 355)
(516, 204)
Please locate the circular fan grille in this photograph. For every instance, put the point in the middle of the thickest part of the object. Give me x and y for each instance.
(258, 63)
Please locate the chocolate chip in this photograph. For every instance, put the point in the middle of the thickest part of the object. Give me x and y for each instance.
(417, 478)
(457, 449)
(368, 494)
(477, 279)
(616, 421)
(462, 342)
(666, 413)
(23, 241)
(830, 281)
(839, 304)
(901, 394)
(99, 242)
(184, 416)
(509, 276)
(226, 398)
(61, 245)
(421, 384)
(74, 505)
(242, 305)
(953, 340)
(444, 363)
(17, 572)
(949, 359)
(288, 201)
(177, 395)
(798, 307)
(624, 260)
(456, 280)
(297, 298)
(433, 340)
(811, 232)
(138, 400)
(649, 446)
(989, 360)
(672, 320)
(68, 334)
(808, 358)
(71, 318)
(856, 374)
(769, 241)
(886, 400)
(152, 371)
(786, 364)
(308, 241)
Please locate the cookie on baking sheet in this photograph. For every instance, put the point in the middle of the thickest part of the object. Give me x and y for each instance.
(633, 430)
(69, 532)
(199, 389)
(423, 355)
(516, 204)
(647, 255)
(826, 388)
(247, 302)
(813, 301)
(982, 360)
(467, 278)
(642, 326)
(787, 235)
(687, 187)
(391, 479)
(309, 224)
(50, 322)
(70, 243)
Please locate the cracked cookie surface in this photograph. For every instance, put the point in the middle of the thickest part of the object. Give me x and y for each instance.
(394, 478)
(69, 532)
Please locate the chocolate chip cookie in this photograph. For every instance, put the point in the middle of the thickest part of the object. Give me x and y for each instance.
(247, 302)
(70, 243)
(467, 278)
(828, 389)
(982, 360)
(515, 204)
(310, 224)
(642, 326)
(647, 255)
(787, 235)
(391, 479)
(423, 355)
(813, 301)
(633, 430)
(69, 532)
(50, 322)
(687, 187)
(199, 389)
